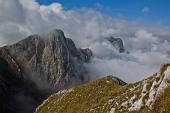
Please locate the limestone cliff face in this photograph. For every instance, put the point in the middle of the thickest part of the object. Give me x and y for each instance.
(53, 59)
(37, 66)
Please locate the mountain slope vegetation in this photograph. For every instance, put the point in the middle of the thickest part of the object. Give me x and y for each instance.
(112, 95)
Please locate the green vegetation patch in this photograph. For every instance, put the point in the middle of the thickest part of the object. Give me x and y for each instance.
(102, 95)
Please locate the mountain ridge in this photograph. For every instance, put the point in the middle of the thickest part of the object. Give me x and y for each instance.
(55, 51)
(38, 66)
(106, 96)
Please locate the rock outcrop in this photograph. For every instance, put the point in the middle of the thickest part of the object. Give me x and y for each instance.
(117, 43)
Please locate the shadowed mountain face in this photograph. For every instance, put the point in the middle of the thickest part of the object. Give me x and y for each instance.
(16, 94)
(37, 66)
(6, 82)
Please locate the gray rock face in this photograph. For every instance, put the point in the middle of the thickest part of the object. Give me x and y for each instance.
(117, 43)
(53, 60)
(35, 67)
(118, 81)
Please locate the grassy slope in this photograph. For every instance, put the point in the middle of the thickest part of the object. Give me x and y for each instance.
(102, 95)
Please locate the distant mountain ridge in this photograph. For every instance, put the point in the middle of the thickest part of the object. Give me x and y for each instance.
(117, 43)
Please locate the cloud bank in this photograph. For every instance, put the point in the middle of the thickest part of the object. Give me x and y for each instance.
(148, 46)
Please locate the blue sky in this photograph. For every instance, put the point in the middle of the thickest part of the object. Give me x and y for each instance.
(147, 11)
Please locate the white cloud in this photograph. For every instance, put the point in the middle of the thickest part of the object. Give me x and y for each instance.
(127, 70)
(11, 11)
(29, 4)
(146, 9)
(148, 46)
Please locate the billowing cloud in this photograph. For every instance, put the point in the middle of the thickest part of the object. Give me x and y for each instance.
(146, 9)
(148, 46)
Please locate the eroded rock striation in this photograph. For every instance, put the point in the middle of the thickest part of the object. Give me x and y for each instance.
(53, 59)
(38, 66)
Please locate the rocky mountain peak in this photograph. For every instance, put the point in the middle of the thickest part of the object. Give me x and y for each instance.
(117, 43)
(56, 35)
(53, 58)
(48, 64)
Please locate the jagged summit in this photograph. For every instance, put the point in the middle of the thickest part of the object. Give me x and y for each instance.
(54, 58)
(117, 43)
(48, 64)
(56, 35)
